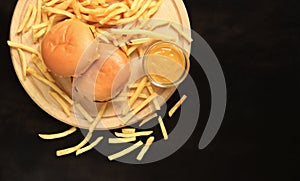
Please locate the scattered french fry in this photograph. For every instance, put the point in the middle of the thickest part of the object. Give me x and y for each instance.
(128, 130)
(50, 84)
(163, 128)
(185, 36)
(143, 32)
(177, 105)
(23, 62)
(26, 18)
(23, 47)
(148, 118)
(155, 100)
(121, 140)
(74, 148)
(130, 115)
(61, 102)
(58, 135)
(125, 151)
(135, 85)
(136, 134)
(89, 147)
(42, 67)
(145, 148)
(31, 19)
(84, 113)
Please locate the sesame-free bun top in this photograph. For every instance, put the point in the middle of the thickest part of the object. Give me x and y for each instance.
(63, 46)
(107, 76)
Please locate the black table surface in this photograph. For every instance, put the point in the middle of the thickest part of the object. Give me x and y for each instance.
(257, 44)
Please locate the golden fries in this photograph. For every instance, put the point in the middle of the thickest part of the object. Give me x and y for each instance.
(125, 151)
(23, 47)
(128, 130)
(61, 102)
(130, 115)
(145, 148)
(121, 140)
(32, 19)
(23, 62)
(177, 105)
(58, 135)
(50, 84)
(163, 128)
(136, 134)
(155, 101)
(26, 18)
(84, 113)
(185, 36)
(89, 147)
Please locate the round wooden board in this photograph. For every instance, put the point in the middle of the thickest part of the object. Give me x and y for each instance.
(170, 10)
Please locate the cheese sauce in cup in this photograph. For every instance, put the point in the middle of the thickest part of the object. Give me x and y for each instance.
(166, 64)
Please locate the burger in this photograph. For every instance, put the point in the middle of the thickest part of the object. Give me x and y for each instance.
(99, 78)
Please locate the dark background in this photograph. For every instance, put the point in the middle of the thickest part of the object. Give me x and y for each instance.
(257, 43)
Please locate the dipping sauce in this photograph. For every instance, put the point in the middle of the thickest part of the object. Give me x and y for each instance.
(166, 64)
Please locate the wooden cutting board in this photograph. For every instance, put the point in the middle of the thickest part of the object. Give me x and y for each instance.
(170, 10)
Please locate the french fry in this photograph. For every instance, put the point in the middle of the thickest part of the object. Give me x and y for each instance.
(23, 47)
(39, 12)
(177, 105)
(135, 16)
(100, 114)
(58, 135)
(131, 49)
(84, 113)
(23, 62)
(59, 11)
(136, 5)
(31, 19)
(135, 95)
(128, 130)
(140, 51)
(142, 32)
(130, 115)
(26, 18)
(64, 5)
(158, 24)
(163, 128)
(138, 91)
(185, 36)
(145, 148)
(87, 137)
(136, 134)
(155, 101)
(42, 67)
(50, 84)
(74, 148)
(153, 9)
(138, 41)
(39, 34)
(61, 102)
(143, 96)
(135, 85)
(89, 147)
(148, 118)
(112, 14)
(37, 27)
(120, 140)
(125, 151)
(51, 3)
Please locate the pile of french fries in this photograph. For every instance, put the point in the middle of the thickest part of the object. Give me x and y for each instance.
(132, 32)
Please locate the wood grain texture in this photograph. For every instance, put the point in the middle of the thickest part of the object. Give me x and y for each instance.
(170, 10)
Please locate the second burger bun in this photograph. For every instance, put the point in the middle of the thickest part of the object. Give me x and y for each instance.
(107, 76)
(63, 46)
